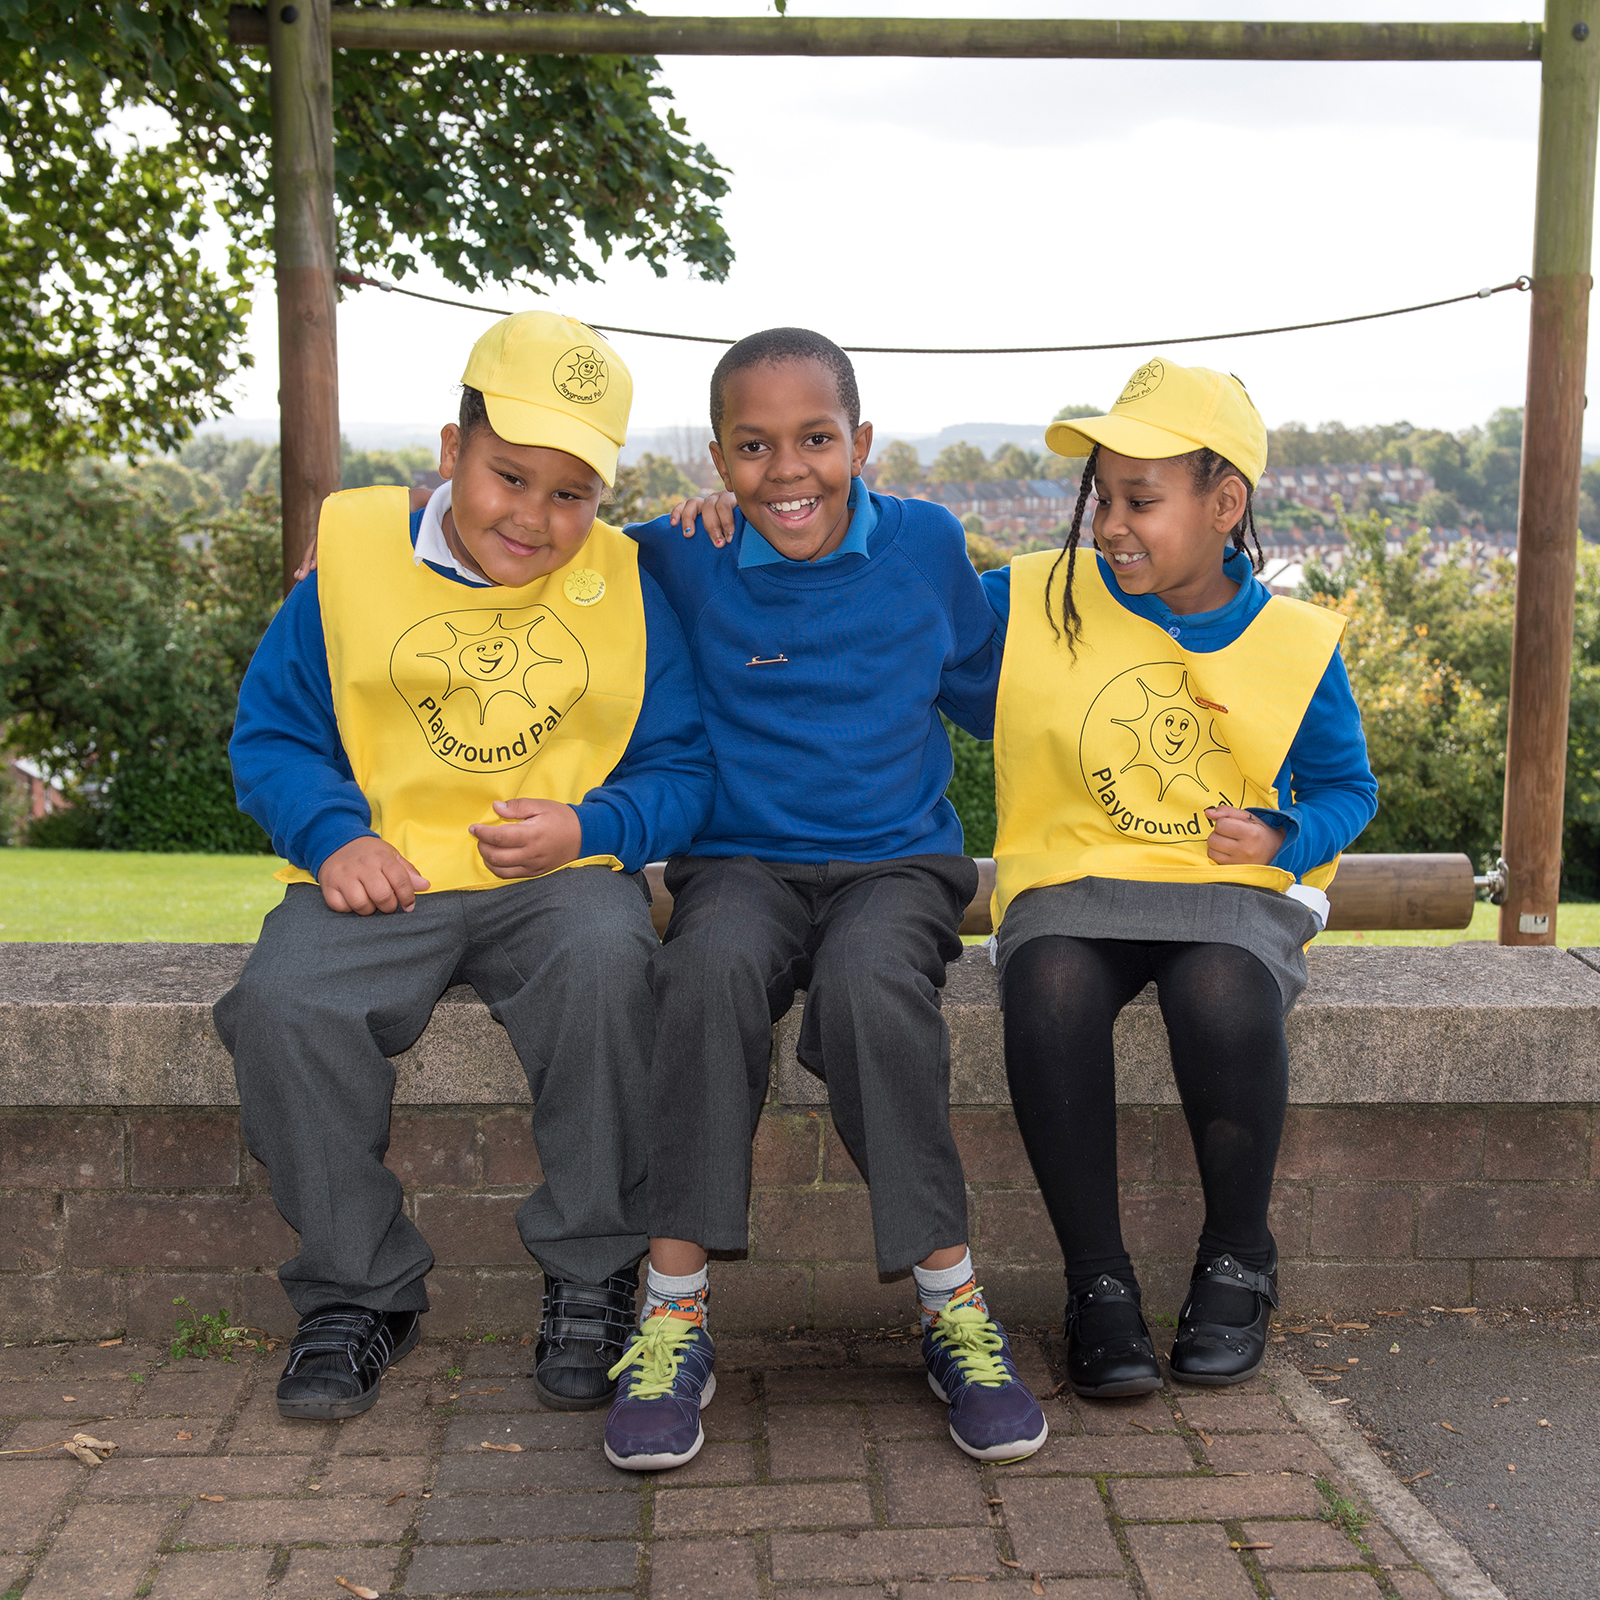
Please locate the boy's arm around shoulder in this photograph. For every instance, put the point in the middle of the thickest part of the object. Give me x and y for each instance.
(290, 771)
(1334, 794)
(658, 796)
(937, 545)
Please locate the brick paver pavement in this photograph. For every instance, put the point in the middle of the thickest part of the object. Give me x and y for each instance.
(827, 1475)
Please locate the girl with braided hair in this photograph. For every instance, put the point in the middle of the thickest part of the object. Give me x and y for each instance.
(1179, 762)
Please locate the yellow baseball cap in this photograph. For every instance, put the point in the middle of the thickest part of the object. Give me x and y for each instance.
(1167, 410)
(549, 380)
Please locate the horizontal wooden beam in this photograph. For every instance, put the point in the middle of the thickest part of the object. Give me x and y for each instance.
(525, 33)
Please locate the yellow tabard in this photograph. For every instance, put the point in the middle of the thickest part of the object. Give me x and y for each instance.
(1105, 764)
(450, 698)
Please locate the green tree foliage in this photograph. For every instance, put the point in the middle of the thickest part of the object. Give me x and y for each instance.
(648, 488)
(1430, 662)
(984, 553)
(1012, 461)
(124, 632)
(363, 468)
(495, 169)
(971, 789)
(899, 466)
(958, 463)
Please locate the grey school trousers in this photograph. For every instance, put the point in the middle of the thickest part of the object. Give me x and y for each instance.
(562, 962)
(868, 941)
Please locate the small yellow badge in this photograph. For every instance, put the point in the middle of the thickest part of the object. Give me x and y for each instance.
(583, 586)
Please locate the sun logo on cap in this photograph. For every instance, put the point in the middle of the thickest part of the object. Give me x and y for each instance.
(581, 375)
(1174, 737)
(1144, 382)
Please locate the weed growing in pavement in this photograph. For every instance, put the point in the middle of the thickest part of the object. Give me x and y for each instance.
(201, 1334)
(453, 1374)
(1340, 1510)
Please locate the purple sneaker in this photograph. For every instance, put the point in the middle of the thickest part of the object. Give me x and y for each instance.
(654, 1421)
(993, 1417)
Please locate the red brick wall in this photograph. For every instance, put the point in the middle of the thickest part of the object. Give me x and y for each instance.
(106, 1216)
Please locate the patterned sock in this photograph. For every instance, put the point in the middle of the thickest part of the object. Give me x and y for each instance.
(936, 1288)
(684, 1297)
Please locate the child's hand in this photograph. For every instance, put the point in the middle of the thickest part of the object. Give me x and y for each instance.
(368, 875)
(308, 562)
(714, 510)
(1241, 839)
(537, 837)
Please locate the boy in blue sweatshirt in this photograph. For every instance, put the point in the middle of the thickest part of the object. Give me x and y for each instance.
(826, 644)
(481, 714)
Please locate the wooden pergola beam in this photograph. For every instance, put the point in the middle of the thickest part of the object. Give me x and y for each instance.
(1013, 38)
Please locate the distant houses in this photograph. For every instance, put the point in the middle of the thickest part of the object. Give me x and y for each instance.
(1317, 487)
(1009, 507)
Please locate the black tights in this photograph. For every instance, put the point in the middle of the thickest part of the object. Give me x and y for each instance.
(1224, 1017)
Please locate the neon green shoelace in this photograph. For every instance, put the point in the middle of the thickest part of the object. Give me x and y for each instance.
(657, 1351)
(969, 1333)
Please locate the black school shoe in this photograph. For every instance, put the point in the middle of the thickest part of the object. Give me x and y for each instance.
(585, 1327)
(337, 1359)
(1109, 1352)
(1222, 1328)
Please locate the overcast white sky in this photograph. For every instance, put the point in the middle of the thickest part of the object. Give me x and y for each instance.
(966, 202)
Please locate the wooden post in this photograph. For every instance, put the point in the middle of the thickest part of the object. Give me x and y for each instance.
(1552, 456)
(301, 56)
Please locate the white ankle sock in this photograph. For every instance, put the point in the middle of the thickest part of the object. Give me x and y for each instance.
(936, 1285)
(660, 1287)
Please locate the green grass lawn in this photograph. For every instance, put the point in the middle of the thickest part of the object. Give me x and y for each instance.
(122, 897)
(104, 895)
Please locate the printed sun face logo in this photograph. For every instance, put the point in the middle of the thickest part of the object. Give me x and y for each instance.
(488, 687)
(582, 375)
(1152, 756)
(1144, 382)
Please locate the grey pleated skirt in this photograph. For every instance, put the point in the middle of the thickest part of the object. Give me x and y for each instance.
(1271, 926)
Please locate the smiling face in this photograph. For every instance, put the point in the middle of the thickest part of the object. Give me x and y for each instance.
(1161, 537)
(789, 454)
(517, 512)
(1173, 734)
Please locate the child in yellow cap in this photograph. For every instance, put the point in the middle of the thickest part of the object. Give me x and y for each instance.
(481, 714)
(1179, 762)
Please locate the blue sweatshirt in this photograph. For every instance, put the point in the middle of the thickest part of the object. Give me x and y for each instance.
(1327, 776)
(291, 773)
(836, 751)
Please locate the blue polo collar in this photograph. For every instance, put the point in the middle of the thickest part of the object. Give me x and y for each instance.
(754, 551)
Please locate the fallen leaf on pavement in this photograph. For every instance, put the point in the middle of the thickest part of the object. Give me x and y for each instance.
(1142, 1426)
(994, 1502)
(1300, 1330)
(357, 1589)
(1394, 1349)
(1337, 1377)
(1493, 1506)
(186, 1436)
(1447, 1428)
(1204, 1436)
(1339, 1327)
(1543, 1423)
(1344, 1402)
(84, 1454)
(1504, 1400)
(1233, 1544)
(106, 1446)
(1058, 1388)
(512, 1449)
(1005, 1563)
(1427, 1472)
(215, 1499)
(527, 1338)
(1509, 1467)
(395, 1497)
(69, 1397)
(1038, 1584)
(106, 1344)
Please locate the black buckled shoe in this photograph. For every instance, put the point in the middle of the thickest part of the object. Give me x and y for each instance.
(1222, 1328)
(1109, 1352)
(585, 1327)
(338, 1357)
